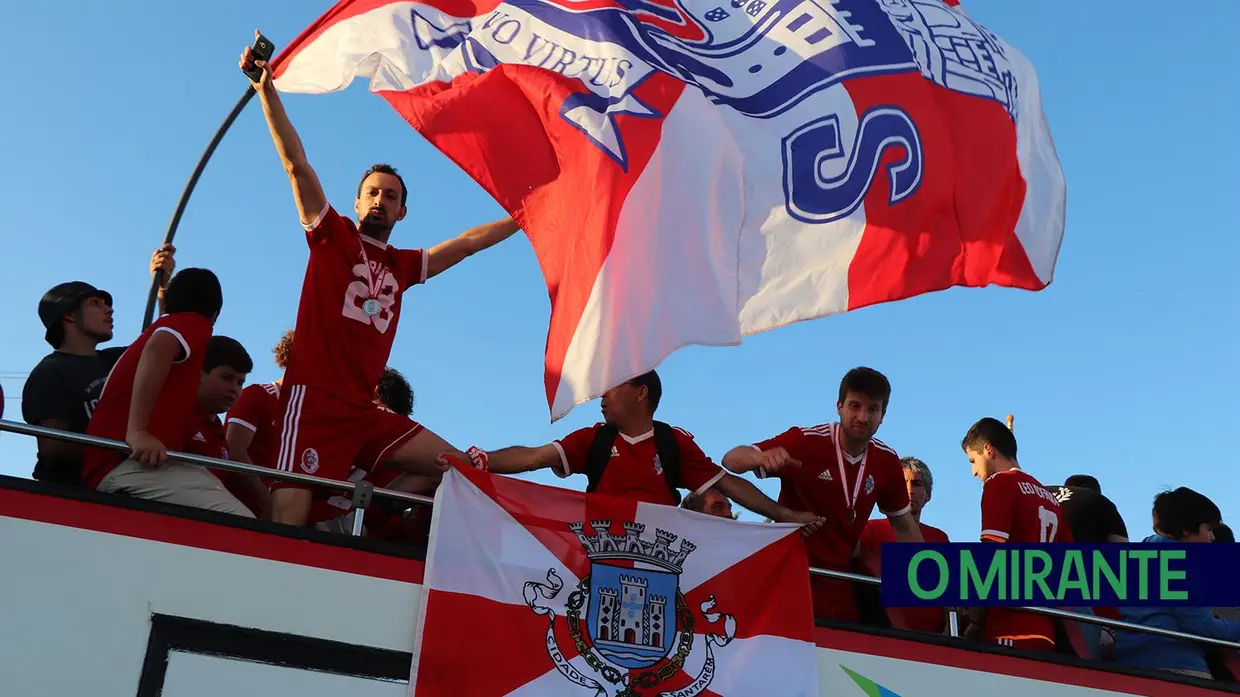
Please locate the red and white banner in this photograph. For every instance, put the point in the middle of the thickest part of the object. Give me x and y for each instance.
(538, 591)
(692, 171)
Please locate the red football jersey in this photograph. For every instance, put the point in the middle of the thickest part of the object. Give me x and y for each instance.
(873, 537)
(176, 408)
(340, 348)
(258, 409)
(634, 471)
(1017, 508)
(816, 486)
(208, 439)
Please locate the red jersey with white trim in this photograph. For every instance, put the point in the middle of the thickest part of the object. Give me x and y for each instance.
(634, 471)
(343, 341)
(816, 486)
(1017, 508)
(873, 537)
(258, 410)
(176, 407)
(208, 438)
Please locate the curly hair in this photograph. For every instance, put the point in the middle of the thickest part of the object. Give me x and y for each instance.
(283, 349)
(395, 392)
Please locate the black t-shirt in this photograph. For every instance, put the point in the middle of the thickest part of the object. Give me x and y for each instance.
(66, 387)
(1091, 516)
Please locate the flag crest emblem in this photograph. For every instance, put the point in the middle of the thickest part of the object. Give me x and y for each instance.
(636, 616)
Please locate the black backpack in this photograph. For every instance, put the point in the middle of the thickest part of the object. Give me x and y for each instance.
(665, 445)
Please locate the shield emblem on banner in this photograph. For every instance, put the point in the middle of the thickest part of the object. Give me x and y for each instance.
(631, 618)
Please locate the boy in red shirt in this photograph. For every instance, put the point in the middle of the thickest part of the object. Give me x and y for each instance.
(1015, 508)
(224, 371)
(150, 401)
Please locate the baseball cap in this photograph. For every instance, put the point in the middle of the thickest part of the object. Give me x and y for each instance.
(62, 298)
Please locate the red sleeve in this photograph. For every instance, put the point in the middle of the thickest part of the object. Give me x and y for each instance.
(328, 227)
(793, 440)
(251, 408)
(893, 499)
(996, 510)
(413, 266)
(191, 329)
(573, 450)
(870, 541)
(697, 472)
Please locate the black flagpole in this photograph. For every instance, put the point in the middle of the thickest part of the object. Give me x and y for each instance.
(189, 190)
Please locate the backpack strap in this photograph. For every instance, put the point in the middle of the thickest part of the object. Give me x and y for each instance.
(668, 448)
(599, 455)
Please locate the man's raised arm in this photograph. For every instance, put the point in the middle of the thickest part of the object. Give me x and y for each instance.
(307, 191)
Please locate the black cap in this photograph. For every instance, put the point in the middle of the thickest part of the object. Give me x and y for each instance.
(62, 298)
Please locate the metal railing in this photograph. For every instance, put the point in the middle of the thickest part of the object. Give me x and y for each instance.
(363, 491)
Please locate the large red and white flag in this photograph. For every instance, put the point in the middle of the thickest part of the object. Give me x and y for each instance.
(535, 591)
(691, 171)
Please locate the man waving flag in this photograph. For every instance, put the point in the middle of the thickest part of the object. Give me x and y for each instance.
(691, 171)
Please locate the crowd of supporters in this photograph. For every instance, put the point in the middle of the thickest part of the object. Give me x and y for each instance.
(339, 412)
(831, 476)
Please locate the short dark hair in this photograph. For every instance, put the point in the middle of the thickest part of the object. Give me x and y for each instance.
(868, 382)
(194, 290)
(1183, 511)
(283, 349)
(395, 392)
(226, 351)
(384, 168)
(1085, 481)
(654, 388)
(1223, 533)
(993, 432)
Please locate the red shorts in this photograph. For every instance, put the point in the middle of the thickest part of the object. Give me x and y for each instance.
(326, 436)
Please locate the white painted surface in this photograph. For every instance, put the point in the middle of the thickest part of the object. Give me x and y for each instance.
(195, 675)
(914, 679)
(75, 609)
(76, 605)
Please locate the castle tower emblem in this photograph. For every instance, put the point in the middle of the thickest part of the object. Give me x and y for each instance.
(634, 585)
(638, 629)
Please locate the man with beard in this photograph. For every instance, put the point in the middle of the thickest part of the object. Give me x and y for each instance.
(838, 471)
(65, 386)
(346, 322)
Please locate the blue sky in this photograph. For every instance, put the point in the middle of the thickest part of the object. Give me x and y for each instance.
(1124, 368)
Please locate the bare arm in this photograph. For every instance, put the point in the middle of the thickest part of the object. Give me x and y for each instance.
(522, 459)
(449, 253)
(239, 438)
(161, 351)
(307, 191)
(906, 529)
